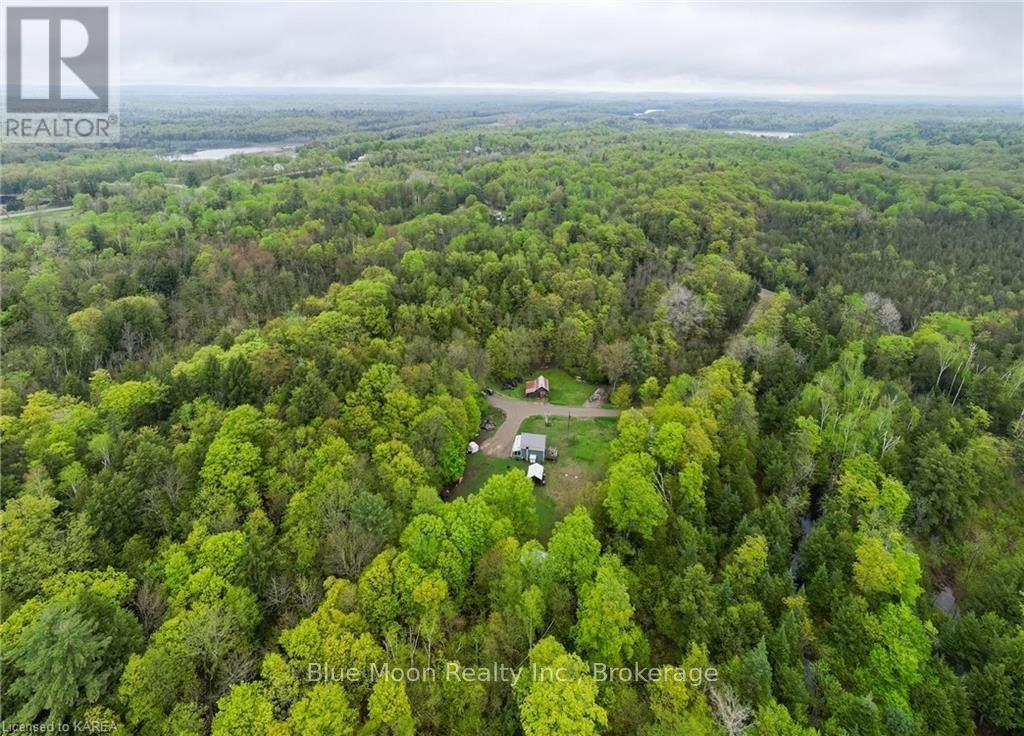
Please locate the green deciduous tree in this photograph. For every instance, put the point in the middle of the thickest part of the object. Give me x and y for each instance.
(245, 710)
(633, 503)
(324, 709)
(561, 698)
(389, 711)
(573, 549)
(605, 630)
(511, 495)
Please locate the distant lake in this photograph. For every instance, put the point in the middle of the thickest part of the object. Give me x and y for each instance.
(218, 154)
(762, 133)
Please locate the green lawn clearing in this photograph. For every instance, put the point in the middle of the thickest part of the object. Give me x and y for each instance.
(565, 389)
(480, 467)
(583, 440)
(582, 446)
(582, 461)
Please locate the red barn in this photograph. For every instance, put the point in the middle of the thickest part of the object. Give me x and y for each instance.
(537, 389)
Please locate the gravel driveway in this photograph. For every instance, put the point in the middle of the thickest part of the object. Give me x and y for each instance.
(516, 410)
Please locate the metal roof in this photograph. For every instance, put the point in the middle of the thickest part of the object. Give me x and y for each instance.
(540, 383)
(532, 441)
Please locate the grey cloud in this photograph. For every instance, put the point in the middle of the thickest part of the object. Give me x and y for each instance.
(869, 48)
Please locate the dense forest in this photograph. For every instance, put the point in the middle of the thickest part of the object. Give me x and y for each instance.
(237, 398)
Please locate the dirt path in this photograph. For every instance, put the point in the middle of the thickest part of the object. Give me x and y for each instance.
(764, 297)
(516, 410)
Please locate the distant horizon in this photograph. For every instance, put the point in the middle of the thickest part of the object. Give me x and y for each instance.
(526, 91)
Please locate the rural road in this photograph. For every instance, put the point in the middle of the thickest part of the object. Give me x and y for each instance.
(26, 213)
(516, 410)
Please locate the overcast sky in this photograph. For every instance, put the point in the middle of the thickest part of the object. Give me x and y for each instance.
(970, 49)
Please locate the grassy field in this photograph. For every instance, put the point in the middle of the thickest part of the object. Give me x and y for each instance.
(582, 461)
(565, 389)
(480, 467)
(583, 440)
(582, 458)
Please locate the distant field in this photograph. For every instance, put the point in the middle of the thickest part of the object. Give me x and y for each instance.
(43, 217)
(565, 389)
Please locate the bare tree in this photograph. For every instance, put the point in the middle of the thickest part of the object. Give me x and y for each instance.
(685, 311)
(946, 354)
(278, 593)
(885, 311)
(308, 593)
(661, 486)
(967, 366)
(150, 606)
(1014, 378)
(733, 715)
(1018, 426)
(236, 667)
(349, 550)
(162, 497)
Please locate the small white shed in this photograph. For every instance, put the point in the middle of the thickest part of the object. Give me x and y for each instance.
(535, 473)
(473, 448)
